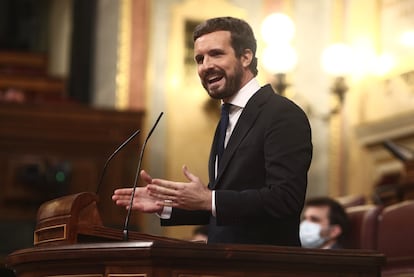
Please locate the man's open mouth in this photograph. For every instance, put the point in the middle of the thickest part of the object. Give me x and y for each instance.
(214, 78)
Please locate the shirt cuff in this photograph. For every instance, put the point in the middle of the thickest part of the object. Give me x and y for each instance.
(213, 203)
(166, 213)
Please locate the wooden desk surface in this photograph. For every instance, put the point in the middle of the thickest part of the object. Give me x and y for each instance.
(188, 259)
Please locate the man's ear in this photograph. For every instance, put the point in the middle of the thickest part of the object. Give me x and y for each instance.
(246, 57)
(335, 231)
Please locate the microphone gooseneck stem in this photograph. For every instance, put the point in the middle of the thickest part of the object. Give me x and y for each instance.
(113, 155)
(125, 231)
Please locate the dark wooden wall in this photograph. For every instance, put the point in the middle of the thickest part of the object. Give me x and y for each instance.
(50, 150)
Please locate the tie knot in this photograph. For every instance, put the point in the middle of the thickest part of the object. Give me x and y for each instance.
(225, 108)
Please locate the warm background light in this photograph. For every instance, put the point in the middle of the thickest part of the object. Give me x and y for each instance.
(407, 39)
(277, 27)
(337, 60)
(279, 58)
(384, 64)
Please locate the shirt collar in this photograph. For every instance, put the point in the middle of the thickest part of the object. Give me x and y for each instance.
(241, 98)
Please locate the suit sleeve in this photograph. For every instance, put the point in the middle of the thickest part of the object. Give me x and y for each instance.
(184, 217)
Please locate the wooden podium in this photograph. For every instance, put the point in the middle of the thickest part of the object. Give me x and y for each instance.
(70, 241)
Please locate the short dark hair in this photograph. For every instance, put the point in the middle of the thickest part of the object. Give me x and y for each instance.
(337, 215)
(242, 36)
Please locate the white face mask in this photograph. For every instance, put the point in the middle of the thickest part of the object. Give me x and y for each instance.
(310, 234)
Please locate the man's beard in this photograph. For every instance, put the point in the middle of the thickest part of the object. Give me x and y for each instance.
(232, 84)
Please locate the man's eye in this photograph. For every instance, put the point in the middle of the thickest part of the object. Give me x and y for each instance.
(199, 60)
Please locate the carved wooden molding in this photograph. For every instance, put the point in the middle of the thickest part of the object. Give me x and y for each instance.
(398, 128)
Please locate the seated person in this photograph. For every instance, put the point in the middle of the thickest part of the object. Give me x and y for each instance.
(325, 224)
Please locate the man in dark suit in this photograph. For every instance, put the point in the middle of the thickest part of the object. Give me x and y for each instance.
(257, 186)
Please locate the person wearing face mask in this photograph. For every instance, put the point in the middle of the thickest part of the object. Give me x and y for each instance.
(325, 224)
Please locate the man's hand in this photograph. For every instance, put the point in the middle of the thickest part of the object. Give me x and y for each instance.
(193, 195)
(143, 201)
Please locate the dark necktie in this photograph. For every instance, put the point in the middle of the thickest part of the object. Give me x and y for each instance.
(224, 122)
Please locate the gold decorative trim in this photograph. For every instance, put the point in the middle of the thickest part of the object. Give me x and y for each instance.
(127, 275)
(124, 53)
(77, 275)
(198, 275)
(41, 230)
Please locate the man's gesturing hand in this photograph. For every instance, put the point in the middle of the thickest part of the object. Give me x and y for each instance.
(143, 201)
(193, 195)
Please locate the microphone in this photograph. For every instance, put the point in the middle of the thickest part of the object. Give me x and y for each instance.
(113, 155)
(125, 231)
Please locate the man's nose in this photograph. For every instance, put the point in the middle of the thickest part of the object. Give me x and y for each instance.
(207, 63)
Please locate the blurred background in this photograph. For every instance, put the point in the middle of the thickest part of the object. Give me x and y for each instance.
(78, 77)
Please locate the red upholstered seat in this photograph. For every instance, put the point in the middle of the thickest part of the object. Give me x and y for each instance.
(396, 238)
(363, 226)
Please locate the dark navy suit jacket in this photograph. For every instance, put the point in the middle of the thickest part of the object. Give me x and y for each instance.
(262, 179)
